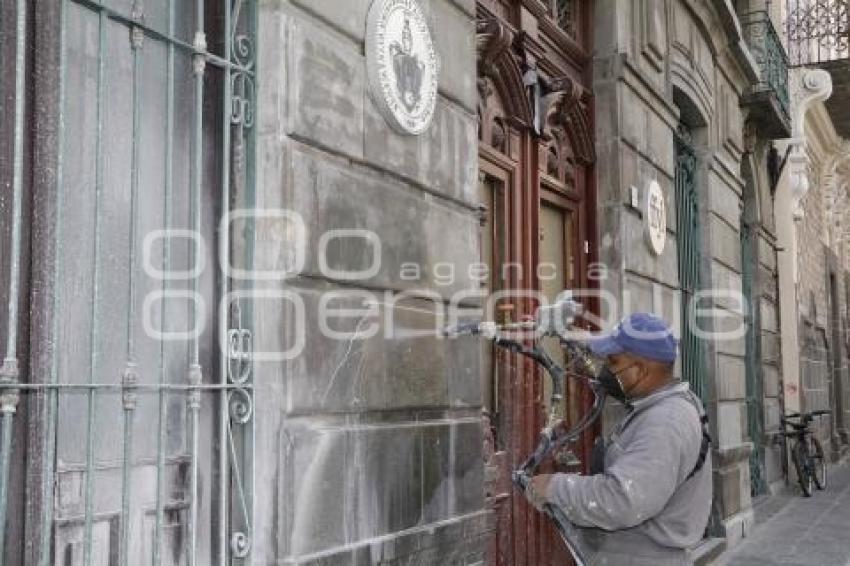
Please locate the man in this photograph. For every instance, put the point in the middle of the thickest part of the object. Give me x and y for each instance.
(652, 499)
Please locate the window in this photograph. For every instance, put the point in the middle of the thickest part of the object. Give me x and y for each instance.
(141, 442)
(565, 13)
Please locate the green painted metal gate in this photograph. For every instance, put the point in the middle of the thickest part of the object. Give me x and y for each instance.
(688, 235)
(752, 360)
(144, 423)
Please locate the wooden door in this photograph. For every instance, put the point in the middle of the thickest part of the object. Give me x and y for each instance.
(536, 153)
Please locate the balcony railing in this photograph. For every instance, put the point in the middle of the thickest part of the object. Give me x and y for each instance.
(818, 31)
(768, 51)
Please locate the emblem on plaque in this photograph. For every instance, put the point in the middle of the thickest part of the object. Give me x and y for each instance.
(402, 64)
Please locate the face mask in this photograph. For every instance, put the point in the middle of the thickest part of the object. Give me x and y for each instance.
(610, 381)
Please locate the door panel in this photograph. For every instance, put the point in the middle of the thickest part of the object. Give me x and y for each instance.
(552, 271)
(556, 272)
(490, 197)
(491, 193)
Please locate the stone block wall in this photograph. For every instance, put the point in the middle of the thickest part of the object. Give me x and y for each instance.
(368, 447)
(835, 426)
(770, 362)
(822, 311)
(814, 368)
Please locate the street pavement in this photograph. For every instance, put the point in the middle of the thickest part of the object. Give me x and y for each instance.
(792, 530)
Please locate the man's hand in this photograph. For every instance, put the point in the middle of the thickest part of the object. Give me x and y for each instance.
(538, 491)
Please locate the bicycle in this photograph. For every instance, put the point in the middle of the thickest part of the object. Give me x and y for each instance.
(807, 452)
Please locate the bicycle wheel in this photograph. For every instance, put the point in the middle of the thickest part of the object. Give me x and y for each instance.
(801, 464)
(817, 463)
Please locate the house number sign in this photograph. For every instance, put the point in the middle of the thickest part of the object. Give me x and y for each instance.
(655, 218)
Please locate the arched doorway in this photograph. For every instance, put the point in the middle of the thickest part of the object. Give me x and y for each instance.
(688, 227)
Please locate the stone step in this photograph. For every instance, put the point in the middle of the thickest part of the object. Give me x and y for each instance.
(707, 551)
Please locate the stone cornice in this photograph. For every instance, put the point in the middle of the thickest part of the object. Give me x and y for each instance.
(737, 46)
(721, 14)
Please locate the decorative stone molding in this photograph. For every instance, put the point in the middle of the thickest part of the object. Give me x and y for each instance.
(834, 179)
(566, 120)
(808, 87)
(499, 70)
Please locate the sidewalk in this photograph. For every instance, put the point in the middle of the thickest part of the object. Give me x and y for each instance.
(811, 531)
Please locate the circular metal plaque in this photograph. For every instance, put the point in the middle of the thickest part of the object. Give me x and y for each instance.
(402, 63)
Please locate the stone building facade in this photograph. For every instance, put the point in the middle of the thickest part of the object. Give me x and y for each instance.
(162, 166)
(684, 100)
(251, 131)
(813, 213)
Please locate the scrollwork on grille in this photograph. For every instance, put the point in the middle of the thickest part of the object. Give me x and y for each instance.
(767, 50)
(817, 30)
(242, 108)
(242, 55)
(240, 545)
(239, 400)
(240, 343)
(241, 405)
(243, 51)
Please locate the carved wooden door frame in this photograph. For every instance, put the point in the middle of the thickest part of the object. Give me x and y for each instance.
(533, 102)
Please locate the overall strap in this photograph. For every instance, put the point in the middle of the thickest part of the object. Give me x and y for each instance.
(705, 445)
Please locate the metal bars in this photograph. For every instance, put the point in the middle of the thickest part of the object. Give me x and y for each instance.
(51, 403)
(195, 376)
(817, 31)
(9, 372)
(98, 189)
(130, 377)
(688, 235)
(237, 374)
(770, 55)
(224, 251)
(231, 74)
(752, 359)
(168, 181)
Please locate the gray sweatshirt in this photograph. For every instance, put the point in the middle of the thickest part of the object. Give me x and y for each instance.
(643, 509)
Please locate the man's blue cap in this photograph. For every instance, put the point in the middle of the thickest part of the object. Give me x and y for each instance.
(642, 334)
